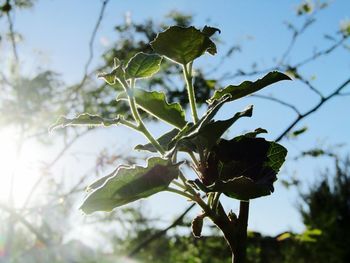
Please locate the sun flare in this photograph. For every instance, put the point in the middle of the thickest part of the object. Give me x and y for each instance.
(19, 167)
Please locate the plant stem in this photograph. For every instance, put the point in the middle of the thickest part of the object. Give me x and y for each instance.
(135, 113)
(154, 142)
(240, 248)
(194, 159)
(190, 89)
(179, 192)
(128, 124)
(179, 185)
(216, 200)
(234, 230)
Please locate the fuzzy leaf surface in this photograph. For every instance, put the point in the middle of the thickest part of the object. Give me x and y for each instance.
(128, 184)
(143, 65)
(156, 104)
(84, 119)
(183, 45)
(248, 87)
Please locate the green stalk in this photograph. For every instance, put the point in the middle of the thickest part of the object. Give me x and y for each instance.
(179, 185)
(190, 90)
(240, 248)
(128, 124)
(135, 113)
(179, 192)
(194, 159)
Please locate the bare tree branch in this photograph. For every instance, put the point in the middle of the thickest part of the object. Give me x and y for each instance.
(321, 53)
(309, 85)
(91, 42)
(12, 37)
(286, 104)
(157, 235)
(313, 109)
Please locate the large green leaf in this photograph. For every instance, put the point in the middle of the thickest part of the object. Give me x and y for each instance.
(156, 104)
(207, 135)
(84, 119)
(183, 45)
(248, 166)
(248, 87)
(128, 184)
(163, 140)
(143, 65)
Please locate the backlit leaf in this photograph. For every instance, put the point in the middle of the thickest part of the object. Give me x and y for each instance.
(84, 119)
(183, 45)
(156, 104)
(143, 65)
(128, 184)
(248, 87)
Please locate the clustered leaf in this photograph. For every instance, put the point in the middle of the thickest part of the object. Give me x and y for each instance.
(246, 166)
(208, 134)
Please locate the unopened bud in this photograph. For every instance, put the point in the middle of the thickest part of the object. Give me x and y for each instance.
(197, 225)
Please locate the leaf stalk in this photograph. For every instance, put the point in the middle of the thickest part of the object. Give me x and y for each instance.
(187, 70)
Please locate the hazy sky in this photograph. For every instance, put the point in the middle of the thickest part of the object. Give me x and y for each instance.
(56, 35)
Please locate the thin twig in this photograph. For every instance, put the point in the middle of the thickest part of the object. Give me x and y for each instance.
(91, 42)
(310, 86)
(162, 232)
(313, 109)
(12, 37)
(321, 53)
(286, 104)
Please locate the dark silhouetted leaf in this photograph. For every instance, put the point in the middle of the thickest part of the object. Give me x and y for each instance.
(248, 166)
(128, 184)
(207, 117)
(143, 65)
(256, 132)
(242, 188)
(248, 87)
(210, 31)
(207, 134)
(183, 45)
(155, 103)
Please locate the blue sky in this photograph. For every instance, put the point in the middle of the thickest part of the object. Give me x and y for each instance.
(56, 34)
